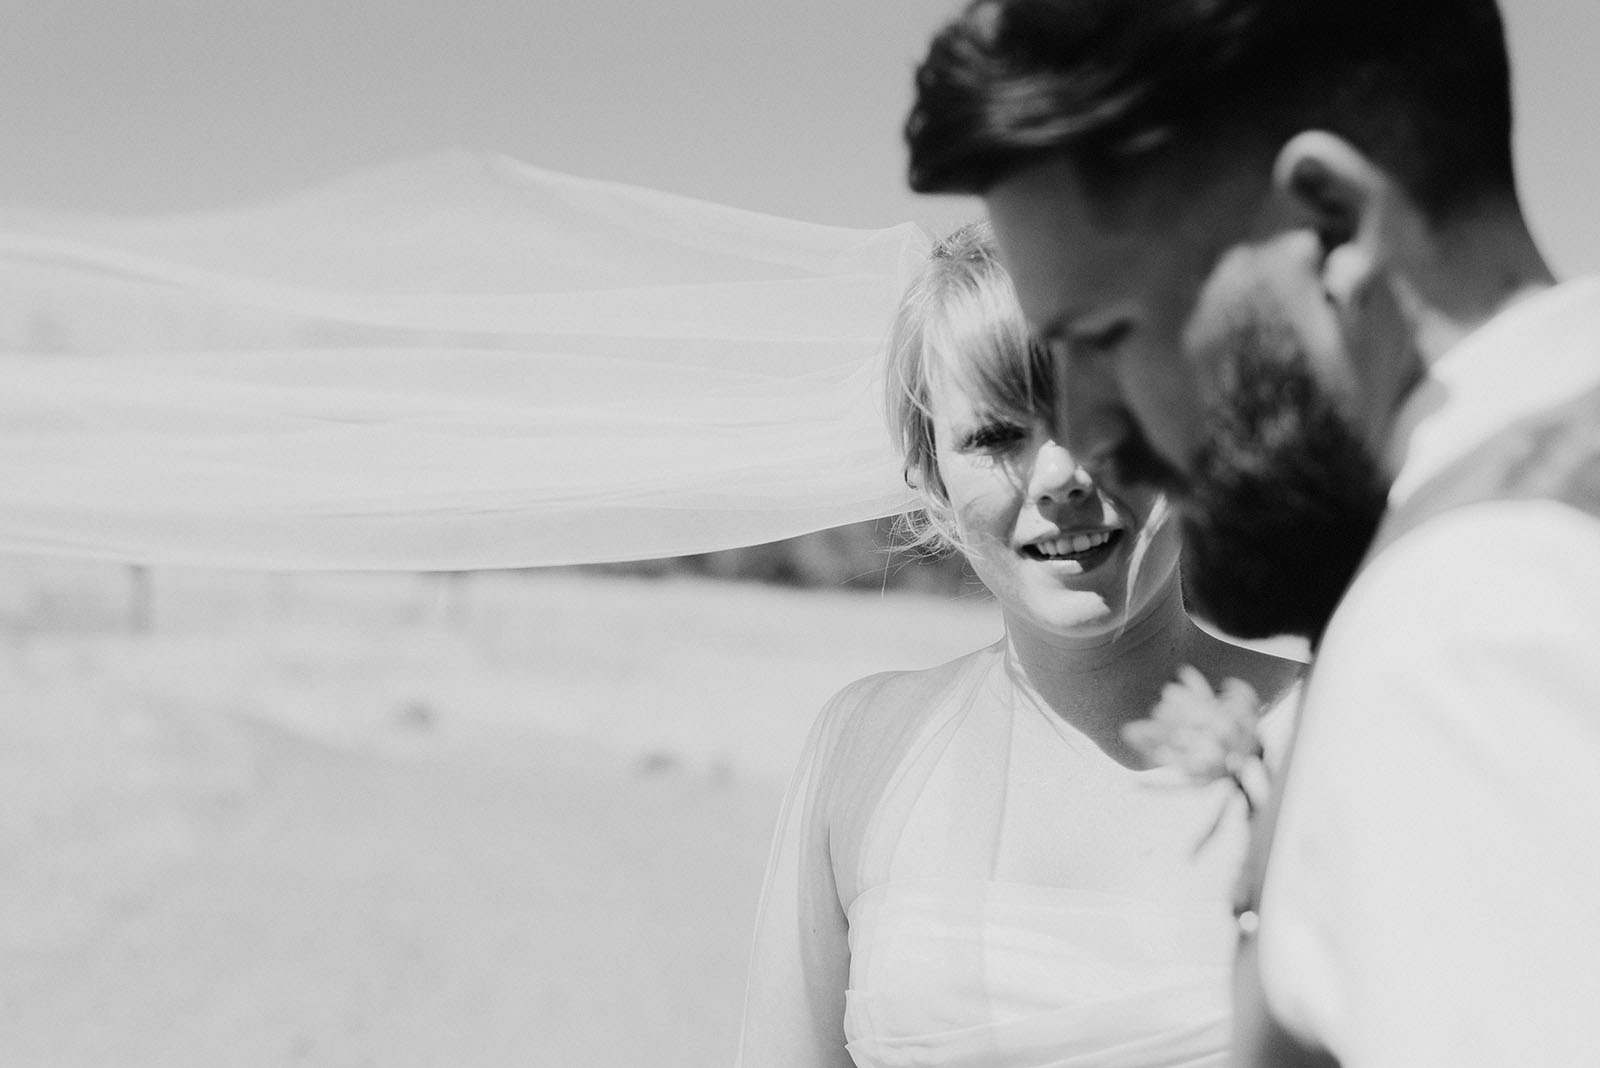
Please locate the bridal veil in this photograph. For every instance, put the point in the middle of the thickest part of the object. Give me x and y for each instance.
(452, 363)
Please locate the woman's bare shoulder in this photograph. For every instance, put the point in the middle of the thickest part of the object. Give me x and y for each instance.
(877, 714)
(895, 694)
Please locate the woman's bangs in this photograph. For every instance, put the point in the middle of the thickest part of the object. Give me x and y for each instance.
(983, 350)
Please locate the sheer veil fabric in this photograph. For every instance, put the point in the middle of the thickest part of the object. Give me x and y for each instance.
(456, 362)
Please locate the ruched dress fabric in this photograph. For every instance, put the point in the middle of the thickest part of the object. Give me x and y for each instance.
(961, 879)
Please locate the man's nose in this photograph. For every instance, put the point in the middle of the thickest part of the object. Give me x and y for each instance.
(1091, 417)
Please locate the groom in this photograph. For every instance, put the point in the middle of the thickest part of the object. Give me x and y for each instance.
(1276, 249)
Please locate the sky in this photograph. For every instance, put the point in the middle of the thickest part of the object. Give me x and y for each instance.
(786, 106)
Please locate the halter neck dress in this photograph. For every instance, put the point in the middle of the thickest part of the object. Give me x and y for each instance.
(962, 879)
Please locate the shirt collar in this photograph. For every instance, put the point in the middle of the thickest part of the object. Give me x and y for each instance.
(1541, 351)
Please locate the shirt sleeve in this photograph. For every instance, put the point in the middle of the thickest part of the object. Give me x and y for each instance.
(1434, 894)
(800, 958)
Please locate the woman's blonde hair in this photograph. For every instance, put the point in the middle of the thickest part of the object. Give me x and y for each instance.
(960, 322)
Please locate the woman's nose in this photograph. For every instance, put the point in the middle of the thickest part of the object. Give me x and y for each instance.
(1059, 478)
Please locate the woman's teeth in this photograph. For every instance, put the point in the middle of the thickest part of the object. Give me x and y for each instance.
(1071, 544)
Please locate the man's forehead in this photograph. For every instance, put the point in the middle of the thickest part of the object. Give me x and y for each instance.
(1050, 241)
(1045, 193)
(1070, 253)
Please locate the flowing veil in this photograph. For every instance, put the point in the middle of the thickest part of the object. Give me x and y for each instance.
(451, 363)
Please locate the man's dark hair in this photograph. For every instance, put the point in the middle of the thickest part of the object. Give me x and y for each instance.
(1420, 86)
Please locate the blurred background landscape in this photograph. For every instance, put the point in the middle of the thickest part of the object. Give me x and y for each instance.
(489, 818)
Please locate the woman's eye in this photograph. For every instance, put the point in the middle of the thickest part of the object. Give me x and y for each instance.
(991, 437)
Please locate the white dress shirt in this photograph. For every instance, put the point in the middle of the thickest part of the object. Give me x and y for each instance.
(1433, 896)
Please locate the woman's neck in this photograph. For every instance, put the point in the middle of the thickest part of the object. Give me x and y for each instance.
(1098, 684)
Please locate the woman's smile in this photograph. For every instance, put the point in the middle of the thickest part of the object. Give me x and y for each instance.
(1078, 551)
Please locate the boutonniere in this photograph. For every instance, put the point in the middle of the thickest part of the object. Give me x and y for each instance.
(1205, 735)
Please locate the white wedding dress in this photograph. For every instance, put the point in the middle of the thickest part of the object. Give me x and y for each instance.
(960, 879)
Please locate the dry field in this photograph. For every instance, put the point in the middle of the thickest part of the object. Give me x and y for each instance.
(395, 820)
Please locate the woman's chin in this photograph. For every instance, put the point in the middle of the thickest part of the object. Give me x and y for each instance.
(1078, 615)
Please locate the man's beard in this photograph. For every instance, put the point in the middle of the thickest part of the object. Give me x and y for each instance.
(1283, 500)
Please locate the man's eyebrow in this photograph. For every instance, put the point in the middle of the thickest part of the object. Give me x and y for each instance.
(1053, 328)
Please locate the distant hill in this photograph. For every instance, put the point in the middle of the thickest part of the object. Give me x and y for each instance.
(869, 556)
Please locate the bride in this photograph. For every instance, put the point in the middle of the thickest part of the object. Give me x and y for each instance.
(972, 866)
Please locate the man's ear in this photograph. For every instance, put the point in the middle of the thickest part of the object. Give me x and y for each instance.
(1337, 191)
(1368, 228)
